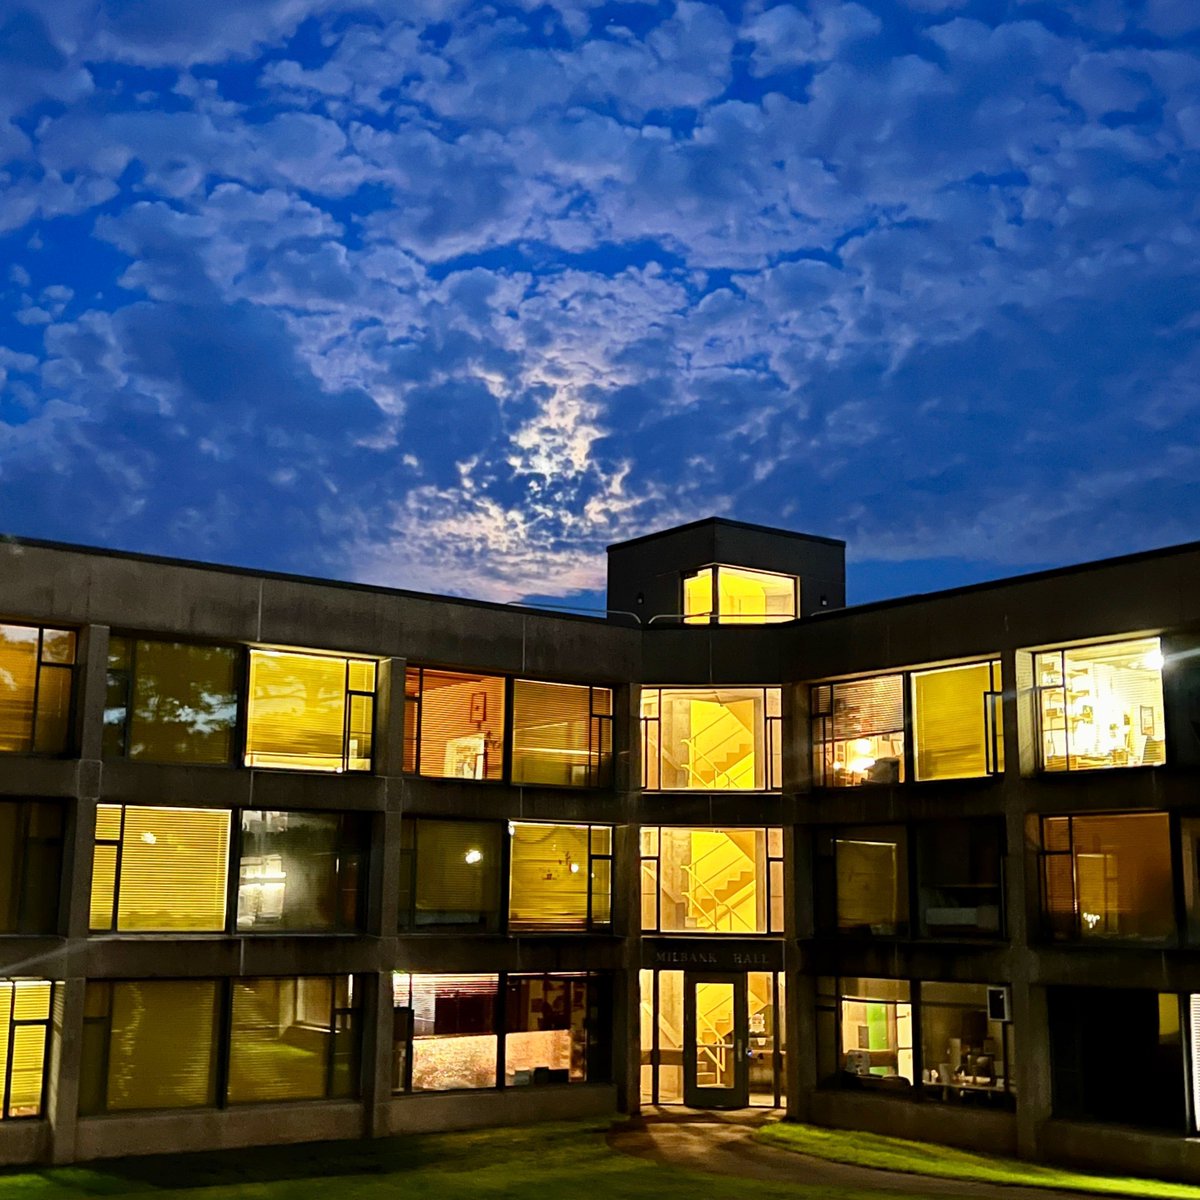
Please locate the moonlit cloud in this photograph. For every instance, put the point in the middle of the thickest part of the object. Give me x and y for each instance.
(448, 296)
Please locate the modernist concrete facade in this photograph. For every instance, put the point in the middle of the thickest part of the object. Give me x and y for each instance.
(856, 1021)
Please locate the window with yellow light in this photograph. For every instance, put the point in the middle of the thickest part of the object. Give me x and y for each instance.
(310, 712)
(739, 596)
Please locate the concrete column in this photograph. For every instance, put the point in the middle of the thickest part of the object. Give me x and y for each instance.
(800, 1015)
(1034, 1098)
(627, 895)
(389, 717)
(66, 1046)
(377, 1016)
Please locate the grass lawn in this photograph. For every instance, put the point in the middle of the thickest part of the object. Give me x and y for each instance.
(921, 1158)
(566, 1161)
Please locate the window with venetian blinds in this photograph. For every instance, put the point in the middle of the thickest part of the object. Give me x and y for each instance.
(36, 674)
(159, 869)
(562, 734)
(310, 712)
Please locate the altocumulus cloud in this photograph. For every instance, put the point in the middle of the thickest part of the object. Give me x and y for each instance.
(447, 295)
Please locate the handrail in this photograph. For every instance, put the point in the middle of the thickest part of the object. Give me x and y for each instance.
(574, 608)
(707, 618)
(719, 904)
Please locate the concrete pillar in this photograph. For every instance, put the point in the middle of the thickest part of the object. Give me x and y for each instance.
(66, 1046)
(377, 1014)
(389, 717)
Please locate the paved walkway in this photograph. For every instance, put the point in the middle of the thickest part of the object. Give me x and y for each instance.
(723, 1143)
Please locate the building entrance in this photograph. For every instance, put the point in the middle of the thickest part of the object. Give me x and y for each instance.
(715, 1067)
(712, 1039)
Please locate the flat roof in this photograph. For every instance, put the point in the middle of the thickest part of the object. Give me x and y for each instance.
(1009, 580)
(771, 529)
(287, 577)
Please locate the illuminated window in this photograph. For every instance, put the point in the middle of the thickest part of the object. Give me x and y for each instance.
(562, 734)
(858, 732)
(958, 728)
(293, 1039)
(25, 1006)
(171, 701)
(301, 871)
(159, 869)
(546, 1029)
(36, 671)
(453, 724)
(1101, 706)
(445, 1032)
(149, 1044)
(310, 712)
(966, 1044)
(875, 1045)
(561, 876)
(743, 596)
(712, 881)
(1108, 877)
(450, 875)
(708, 739)
(31, 848)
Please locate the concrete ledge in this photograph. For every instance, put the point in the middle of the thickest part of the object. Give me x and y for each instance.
(1121, 1150)
(24, 1142)
(514, 1106)
(968, 1128)
(216, 1129)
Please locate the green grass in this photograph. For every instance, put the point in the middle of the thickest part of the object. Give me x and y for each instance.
(564, 1161)
(922, 1158)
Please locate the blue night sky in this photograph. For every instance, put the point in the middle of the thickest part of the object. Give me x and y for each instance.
(449, 295)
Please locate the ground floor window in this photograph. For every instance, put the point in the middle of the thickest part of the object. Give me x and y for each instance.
(944, 1042)
(1117, 1054)
(711, 1039)
(471, 1032)
(197, 1043)
(25, 1006)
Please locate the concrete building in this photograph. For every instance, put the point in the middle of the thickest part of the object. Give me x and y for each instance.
(290, 859)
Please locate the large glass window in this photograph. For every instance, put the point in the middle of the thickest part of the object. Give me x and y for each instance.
(871, 865)
(546, 1039)
(960, 878)
(710, 739)
(966, 1043)
(450, 875)
(25, 1006)
(1116, 1054)
(562, 734)
(36, 670)
(149, 1044)
(445, 1032)
(556, 1029)
(958, 727)
(858, 732)
(1108, 877)
(171, 701)
(712, 880)
(293, 1039)
(301, 871)
(159, 869)
(859, 726)
(561, 876)
(876, 1033)
(310, 712)
(31, 848)
(1101, 706)
(453, 724)
(739, 596)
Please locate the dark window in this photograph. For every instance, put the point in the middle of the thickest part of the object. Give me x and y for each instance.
(31, 849)
(863, 870)
(171, 701)
(1117, 1055)
(959, 881)
(450, 875)
(301, 871)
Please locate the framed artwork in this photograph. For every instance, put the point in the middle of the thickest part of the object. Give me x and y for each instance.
(479, 707)
(1147, 714)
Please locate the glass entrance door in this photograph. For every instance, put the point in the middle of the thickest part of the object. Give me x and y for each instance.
(715, 1060)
